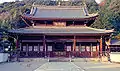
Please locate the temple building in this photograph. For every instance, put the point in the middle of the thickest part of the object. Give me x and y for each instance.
(60, 31)
(115, 46)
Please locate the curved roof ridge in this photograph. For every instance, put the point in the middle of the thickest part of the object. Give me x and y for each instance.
(112, 30)
(96, 29)
(58, 6)
(93, 14)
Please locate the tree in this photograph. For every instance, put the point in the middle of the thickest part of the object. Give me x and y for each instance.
(103, 21)
(10, 14)
(115, 20)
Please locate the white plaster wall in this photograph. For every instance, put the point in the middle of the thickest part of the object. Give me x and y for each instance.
(3, 57)
(115, 56)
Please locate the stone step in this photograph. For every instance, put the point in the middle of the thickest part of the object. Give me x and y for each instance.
(59, 59)
(33, 59)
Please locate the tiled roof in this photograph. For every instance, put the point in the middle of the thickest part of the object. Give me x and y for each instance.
(59, 30)
(115, 42)
(59, 12)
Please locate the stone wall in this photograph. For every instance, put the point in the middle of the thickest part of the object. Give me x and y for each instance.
(3, 57)
(115, 56)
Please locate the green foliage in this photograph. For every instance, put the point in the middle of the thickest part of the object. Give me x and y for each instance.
(92, 6)
(115, 20)
(115, 6)
(12, 11)
(109, 15)
(103, 21)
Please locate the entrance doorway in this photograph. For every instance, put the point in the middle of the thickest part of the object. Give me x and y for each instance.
(59, 46)
(59, 49)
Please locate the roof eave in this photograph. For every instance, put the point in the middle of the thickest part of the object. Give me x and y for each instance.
(33, 18)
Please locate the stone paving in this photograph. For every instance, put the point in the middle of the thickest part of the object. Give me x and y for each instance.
(21, 66)
(59, 66)
(98, 66)
(79, 66)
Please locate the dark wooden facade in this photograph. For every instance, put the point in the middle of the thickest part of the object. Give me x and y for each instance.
(60, 35)
(60, 46)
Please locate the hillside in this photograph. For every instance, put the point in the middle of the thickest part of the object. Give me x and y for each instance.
(109, 15)
(10, 11)
(10, 14)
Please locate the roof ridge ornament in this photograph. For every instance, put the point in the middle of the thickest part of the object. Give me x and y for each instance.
(33, 4)
(84, 8)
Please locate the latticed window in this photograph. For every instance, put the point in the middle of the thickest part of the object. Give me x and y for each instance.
(77, 48)
(41, 48)
(36, 48)
(94, 48)
(24, 48)
(30, 48)
(68, 48)
(49, 48)
(82, 48)
(88, 48)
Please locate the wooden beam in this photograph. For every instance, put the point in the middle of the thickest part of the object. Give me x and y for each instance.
(25, 21)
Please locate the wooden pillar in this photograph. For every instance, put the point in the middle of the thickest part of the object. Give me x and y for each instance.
(97, 49)
(27, 50)
(80, 47)
(108, 49)
(20, 46)
(74, 43)
(91, 50)
(17, 41)
(74, 46)
(38, 48)
(44, 45)
(109, 44)
(101, 46)
(17, 49)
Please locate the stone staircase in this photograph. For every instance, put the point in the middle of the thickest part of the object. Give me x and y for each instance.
(64, 59)
(59, 59)
(33, 59)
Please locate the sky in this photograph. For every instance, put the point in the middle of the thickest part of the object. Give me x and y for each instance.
(1, 1)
